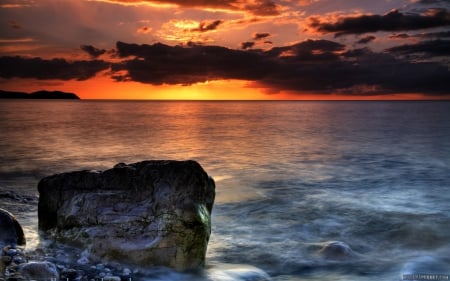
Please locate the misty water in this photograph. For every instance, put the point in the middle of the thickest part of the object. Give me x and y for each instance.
(290, 177)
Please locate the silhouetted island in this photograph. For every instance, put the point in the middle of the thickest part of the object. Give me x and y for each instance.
(38, 95)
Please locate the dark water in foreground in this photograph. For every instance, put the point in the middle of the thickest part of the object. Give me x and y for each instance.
(290, 176)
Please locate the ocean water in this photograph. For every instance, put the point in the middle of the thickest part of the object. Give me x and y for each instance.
(291, 177)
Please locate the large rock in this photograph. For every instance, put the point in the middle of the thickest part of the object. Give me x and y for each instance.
(11, 233)
(146, 213)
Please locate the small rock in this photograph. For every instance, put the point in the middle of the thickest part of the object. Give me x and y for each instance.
(336, 250)
(111, 278)
(237, 272)
(83, 261)
(11, 252)
(38, 271)
(126, 271)
(12, 233)
(50, 259)
(18, 259)
(70, 274)
(100, 266)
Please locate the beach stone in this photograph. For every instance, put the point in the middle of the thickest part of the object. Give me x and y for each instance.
(336, 250)
(38, 271)
(69, 274)
(11, 232)
(147, 213)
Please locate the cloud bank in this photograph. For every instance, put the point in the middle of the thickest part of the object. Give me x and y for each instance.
(49, 69)
(256, 7)
(318, 66)
(392, 21)
(312, 66)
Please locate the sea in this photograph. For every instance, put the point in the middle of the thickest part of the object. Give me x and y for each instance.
(305, 190)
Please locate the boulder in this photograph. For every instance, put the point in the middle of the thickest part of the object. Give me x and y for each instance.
(11, 233)
(148, 213)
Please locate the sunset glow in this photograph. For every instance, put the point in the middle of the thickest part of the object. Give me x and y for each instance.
(227, 50)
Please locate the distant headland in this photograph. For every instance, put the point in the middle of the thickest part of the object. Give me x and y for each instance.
(38, 95)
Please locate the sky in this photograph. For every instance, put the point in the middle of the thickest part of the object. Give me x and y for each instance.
(227, 49)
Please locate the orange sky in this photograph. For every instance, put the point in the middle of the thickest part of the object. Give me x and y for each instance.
(226, 50)
(104, 88)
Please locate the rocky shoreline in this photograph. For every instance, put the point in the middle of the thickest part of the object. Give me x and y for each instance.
(50, 259)
(163, 207)
(60, 263)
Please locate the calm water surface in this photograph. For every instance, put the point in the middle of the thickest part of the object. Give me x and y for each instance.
(290, 176)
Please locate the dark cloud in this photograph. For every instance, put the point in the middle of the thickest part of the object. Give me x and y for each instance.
(442, 34)
(49, 69)
(315, 66)
(400, 36)
(247, 45)
(263, 8)
(257, 7)
(319, 66)
(14, 24)
(92, 51)
(159, 63)
(429, 48)
(367, 39)
(360, 72)
(309, 50)
(207, 26)
(392, 21)
(432, 2)
(260, 36)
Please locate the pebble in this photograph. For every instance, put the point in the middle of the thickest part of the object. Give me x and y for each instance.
(70, 266)
(83, 261)
(70, 274)
(18, 259)
(111, 278)
(126, 271)
(100, 266)
(50, 259)
(12, 252)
